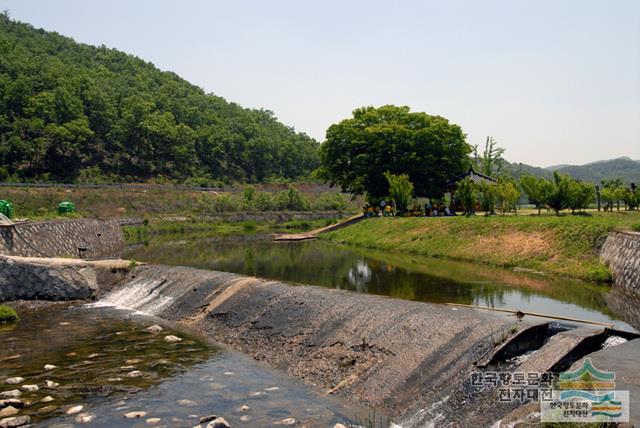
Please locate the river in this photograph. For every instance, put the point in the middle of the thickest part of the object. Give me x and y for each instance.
(396, 275)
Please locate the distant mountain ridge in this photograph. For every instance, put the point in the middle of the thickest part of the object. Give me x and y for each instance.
(624, 168)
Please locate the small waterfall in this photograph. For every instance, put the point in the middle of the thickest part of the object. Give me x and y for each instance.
(144, 295)
(156, 289)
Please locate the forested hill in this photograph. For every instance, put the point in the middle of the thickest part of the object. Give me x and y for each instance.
(74, 112)
(624, 168)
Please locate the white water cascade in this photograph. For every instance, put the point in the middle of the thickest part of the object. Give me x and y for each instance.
(144, 295)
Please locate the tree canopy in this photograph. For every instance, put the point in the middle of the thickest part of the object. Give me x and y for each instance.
(74, 112)
(359, 150)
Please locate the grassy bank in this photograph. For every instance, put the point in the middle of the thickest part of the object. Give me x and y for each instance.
(566, 245)
(140, 201)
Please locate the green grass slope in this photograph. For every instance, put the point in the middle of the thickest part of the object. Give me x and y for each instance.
(565, 245)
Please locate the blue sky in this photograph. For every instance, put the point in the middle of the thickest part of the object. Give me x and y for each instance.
(553, 81)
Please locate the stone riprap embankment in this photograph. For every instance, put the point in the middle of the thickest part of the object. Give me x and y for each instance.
(626, 305)
(25, 278)
(621, 252)
(86, 238)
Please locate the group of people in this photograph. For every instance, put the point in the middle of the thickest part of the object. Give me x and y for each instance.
(384, 210)
(437, 210)
(387, 209)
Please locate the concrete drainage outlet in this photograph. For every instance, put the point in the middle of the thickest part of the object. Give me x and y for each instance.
(528, 340)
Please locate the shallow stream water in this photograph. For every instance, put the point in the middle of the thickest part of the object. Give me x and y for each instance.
(107, 362)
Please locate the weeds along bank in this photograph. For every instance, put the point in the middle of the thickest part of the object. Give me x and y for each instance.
(149, 201)
(565, 245)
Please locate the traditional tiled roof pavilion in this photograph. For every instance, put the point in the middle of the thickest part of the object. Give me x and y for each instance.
(475, 177)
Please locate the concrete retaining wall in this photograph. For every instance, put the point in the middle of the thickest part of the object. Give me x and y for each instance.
(57, 279)
(63, 238)
(621, 252)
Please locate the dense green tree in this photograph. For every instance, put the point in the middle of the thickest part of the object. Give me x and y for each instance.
(631, 197)
(358, 151)
(507, 196)
(613, 191)
(70, 112)
(558, 196)
(537, 190)
(580, 195)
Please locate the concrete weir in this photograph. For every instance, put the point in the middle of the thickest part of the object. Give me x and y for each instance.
(374, 350)
(411, 360)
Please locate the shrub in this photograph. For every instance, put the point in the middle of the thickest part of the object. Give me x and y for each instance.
(8, 315)
(487, 197)
(400, 190)
(224, 203)
(249, 195)
(292, 199)
(507, 195)
(466, 192)
(249, 225)
(330, 201)
(263, 202)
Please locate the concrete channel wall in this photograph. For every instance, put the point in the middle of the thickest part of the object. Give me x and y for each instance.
(85, 238)
(621, 252)
(54, 279)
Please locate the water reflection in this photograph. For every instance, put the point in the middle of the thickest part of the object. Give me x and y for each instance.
(359, 276)
(400, 276)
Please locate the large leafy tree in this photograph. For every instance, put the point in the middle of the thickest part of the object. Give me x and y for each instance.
(359, 150)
